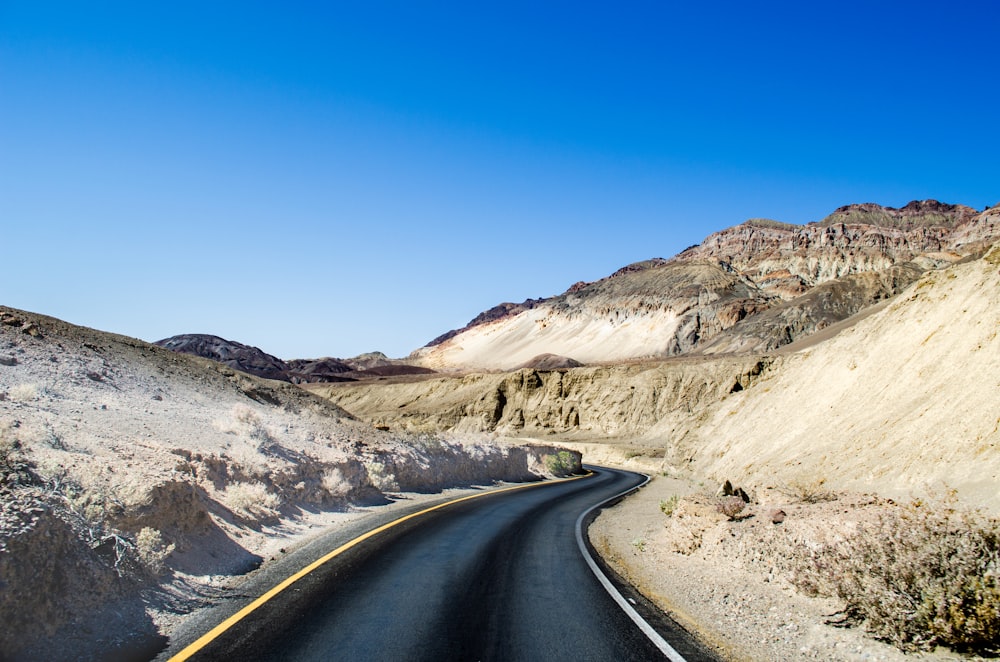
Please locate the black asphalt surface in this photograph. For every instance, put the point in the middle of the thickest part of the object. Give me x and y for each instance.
(500, 577)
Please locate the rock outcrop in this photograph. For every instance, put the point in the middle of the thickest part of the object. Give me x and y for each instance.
(587, 402)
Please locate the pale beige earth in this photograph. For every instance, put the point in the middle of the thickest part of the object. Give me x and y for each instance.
(908, 398)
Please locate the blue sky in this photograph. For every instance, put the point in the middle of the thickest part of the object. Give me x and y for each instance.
(328, 179)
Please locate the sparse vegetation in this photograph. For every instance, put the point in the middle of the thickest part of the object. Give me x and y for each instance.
(152, 550)
(247, 422)
(561, 463)
(24, 392)
(336, 483)
(380, 477)
(668, 506)
(808, 491)
(925, 574)
(251, 500)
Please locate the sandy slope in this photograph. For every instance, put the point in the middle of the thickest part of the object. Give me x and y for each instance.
(904, 399)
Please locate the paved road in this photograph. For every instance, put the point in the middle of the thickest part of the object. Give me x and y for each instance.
(499, 577)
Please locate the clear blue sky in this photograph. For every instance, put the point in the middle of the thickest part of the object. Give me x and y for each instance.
(332, 178)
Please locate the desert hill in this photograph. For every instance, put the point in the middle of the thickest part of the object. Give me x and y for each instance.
(753, 287)
(902, 396)
(133, 479)
(255, 361)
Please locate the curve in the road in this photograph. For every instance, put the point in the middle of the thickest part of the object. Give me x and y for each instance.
(225, 625)
(495, 576)
(668, 651)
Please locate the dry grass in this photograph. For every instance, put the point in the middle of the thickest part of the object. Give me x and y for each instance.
(811, 490)
(251, 500)
(924, 574)
(24, 392)
(152, 550)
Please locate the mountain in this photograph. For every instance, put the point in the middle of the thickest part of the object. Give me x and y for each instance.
(237, 356)
(752, 287)
(255, 361)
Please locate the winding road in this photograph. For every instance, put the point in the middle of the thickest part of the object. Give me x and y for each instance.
(498, 577)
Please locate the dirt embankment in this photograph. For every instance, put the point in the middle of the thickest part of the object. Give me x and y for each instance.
(622, 401)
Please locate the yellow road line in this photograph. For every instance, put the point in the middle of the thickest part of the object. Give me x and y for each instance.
(219, 629)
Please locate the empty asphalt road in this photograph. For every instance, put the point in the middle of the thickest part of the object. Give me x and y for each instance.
(498, 577)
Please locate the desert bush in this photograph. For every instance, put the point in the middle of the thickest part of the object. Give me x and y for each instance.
(924, 574)
(560, 464)
(336, 483)
(668, 506)
(252, 500)
(808, 491)
(245, 420)
(152, 550)
(380, 477)
(24, 392)
(730, 506)
(429, 443)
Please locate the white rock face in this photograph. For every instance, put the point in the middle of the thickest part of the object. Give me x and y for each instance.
(589, 338)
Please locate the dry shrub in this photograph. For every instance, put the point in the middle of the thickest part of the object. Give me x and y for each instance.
(251, 500)
(336, 483)
(808, 491)
(924, 574)
(245, 420)
(561, 463)
(24, 392)
(380, 477)
(152, 550)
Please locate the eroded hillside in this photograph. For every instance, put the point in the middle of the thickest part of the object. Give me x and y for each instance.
(588, 402)
(905, 398)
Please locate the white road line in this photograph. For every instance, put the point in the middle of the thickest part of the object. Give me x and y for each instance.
(646, 628)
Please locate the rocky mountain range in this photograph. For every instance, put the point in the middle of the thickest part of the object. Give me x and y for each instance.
(752, 287)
